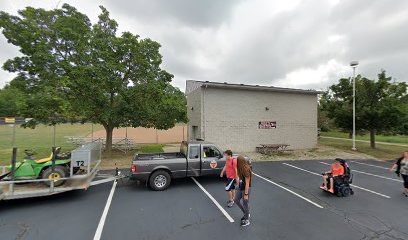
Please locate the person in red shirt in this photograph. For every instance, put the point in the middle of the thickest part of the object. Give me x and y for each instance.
(230, 169)
(336, 170)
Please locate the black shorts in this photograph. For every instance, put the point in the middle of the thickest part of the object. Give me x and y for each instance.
(405, 179)
(230, 184)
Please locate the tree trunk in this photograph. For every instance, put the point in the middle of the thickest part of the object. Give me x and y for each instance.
(372, 138)
(109, 133)
(350, 135)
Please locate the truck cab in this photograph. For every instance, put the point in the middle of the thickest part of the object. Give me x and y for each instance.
(203, 158)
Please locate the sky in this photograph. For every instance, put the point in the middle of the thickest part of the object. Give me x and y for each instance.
(289, 43)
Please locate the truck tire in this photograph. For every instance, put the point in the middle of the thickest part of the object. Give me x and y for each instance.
(159, 180)
(59, 172)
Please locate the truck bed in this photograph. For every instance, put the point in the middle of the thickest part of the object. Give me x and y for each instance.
(158, 156)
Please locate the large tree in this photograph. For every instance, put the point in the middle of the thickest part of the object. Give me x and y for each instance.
(72, 69)
(380, 104)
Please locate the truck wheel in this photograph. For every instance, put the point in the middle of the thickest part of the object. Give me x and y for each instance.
(159, 180)
(59, 172)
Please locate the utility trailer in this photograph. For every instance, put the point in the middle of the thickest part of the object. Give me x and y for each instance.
(84, 167)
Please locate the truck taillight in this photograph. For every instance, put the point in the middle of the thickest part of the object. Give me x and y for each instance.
(133, 168)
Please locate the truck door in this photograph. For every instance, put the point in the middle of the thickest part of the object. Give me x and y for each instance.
(193, 161)
(212, 160)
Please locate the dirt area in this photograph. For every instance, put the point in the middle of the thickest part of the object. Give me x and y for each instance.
(117, 159)
(319, 153)
(148, 135)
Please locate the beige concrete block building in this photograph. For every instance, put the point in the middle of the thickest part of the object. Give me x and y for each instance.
(241, 117)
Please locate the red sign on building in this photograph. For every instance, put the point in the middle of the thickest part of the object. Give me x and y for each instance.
(267, 125)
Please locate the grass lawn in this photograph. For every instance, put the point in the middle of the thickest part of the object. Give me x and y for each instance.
(39, 139)
(384, 152)
(380, 138)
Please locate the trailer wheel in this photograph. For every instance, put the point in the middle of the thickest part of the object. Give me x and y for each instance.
(59, 172)
(159, 180)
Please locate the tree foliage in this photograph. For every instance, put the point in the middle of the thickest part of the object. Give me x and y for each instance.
(71, 69)
(12, 100)
(380, 104)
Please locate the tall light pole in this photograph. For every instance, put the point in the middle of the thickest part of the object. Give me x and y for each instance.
(354, 65)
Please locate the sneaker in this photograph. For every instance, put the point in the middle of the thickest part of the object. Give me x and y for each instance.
(405, 194)
(243, 218)
(230, 204)
(245, 223)
(331, 190)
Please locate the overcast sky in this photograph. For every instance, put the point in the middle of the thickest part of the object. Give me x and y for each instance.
(287, 43)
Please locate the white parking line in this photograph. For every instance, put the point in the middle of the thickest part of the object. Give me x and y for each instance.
(370, 174)
(371, 165)
(304, 170)
(286, 189)
(365, 189)
(97, 182)
(99, 230)
(214, 201)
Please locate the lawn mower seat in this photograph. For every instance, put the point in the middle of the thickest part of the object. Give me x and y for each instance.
(44, 160)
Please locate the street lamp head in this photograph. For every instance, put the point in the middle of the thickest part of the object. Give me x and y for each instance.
(353, 63)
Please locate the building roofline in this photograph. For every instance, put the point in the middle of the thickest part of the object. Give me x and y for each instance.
(208, 84)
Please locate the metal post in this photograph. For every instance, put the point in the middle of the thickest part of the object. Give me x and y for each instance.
(13, 169)
(13, 141)
(54, 136)
(354, 109)
(52, 169)
(354, 64)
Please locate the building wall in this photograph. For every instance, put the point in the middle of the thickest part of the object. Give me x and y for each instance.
(194, 100)
(232, 118)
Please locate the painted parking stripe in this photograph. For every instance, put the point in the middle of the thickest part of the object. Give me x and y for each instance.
(371, 165)
(365, 189)
(286, 189)
(97, 182)
(369, 174)
(99, 230)
(214, 201)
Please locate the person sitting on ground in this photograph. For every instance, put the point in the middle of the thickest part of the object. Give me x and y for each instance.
(336, 170)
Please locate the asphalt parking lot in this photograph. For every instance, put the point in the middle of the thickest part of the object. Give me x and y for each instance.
(286, 203)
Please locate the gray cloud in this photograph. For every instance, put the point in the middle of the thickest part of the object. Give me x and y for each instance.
(305, 44)
(207, 13)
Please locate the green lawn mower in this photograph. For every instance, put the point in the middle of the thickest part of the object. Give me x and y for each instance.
(30, 168)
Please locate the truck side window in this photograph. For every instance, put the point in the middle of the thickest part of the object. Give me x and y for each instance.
(194, 152)
(211, 152)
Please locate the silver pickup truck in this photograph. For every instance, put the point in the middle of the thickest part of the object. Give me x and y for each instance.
(196, 158)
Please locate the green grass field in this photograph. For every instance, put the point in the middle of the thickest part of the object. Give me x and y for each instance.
(39, 139)
(379, 138)
(384, 152)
